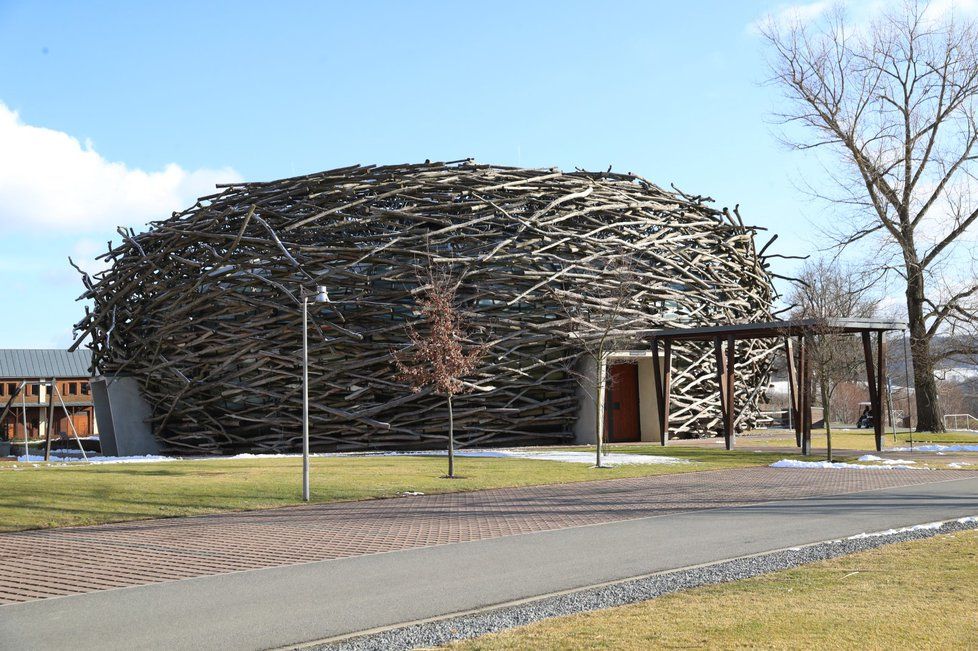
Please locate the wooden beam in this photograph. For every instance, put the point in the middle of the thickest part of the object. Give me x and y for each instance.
(880, 389)
(666, 390)
(792, 389)
(800, 384)
(870, 372)
(721, 372)
(728, 423)
(806, 407)
(660, 403)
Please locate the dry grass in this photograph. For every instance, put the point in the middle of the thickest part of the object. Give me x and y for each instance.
(851, 439)
(41, 495)
(918, 595)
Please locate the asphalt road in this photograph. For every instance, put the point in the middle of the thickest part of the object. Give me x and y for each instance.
(276, 607)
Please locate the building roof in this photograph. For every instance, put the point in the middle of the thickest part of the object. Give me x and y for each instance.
(35, 363)
(769, 329)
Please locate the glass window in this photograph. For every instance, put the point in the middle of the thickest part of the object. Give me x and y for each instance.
(85, 389)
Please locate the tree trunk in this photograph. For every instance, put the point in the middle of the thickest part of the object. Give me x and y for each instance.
(925, 386)
(451, 440)
(826, 414)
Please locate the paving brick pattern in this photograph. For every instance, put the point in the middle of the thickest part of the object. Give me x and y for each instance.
(55, 562)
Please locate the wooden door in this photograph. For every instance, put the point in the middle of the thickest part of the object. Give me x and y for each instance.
(78, 417)
(61, 427)
(82, 423)
(621, 404)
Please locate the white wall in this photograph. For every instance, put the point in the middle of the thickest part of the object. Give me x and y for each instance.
(648, 408)
(584, 427)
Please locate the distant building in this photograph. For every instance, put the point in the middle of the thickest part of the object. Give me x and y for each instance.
(27, 374)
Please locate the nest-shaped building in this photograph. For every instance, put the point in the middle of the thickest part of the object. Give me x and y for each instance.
(204, 309)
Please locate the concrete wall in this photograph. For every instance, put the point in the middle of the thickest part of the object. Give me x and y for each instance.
(648, 406)
(587, 415)
(123, 417)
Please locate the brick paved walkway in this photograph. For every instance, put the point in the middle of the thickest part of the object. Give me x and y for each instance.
(53, 562)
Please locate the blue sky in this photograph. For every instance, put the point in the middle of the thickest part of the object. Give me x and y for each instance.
(116, 113)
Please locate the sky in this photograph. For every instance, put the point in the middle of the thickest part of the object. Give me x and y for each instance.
(115, 114)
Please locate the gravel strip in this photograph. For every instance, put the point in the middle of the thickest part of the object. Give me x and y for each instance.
(630, 591)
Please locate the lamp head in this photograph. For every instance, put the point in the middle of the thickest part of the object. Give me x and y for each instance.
(321, 295)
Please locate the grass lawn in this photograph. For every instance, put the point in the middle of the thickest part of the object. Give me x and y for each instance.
(859, 439)
(41, 495)
(920, 594)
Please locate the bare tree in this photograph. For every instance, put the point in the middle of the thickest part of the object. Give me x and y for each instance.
(826, 291)
(439, 355)
(894, 101)
(599, 319)
(846, 399)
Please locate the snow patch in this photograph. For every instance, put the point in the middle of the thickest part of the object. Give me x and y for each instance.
(930, 526)
(819, 465)
(564, 456)
(936, 447)
(958, 464)
(92, 458)
(889, 462)
(612, 459)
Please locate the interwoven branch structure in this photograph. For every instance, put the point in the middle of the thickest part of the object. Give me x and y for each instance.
(204, 308)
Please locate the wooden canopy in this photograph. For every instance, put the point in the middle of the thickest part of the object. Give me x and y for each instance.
(796, 334)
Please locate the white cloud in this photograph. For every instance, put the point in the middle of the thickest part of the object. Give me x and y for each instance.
(789, 14)
(939, 8)
(50, 179)
(859, 12)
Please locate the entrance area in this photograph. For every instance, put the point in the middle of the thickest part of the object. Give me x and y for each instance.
(627, 408)
(621, 400)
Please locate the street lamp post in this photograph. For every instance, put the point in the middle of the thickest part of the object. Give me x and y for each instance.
(320, 297)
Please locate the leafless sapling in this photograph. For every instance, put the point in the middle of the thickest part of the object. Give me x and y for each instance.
(600, 316)
(439, 356)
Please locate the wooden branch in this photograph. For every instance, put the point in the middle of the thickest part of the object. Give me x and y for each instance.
(203, 308)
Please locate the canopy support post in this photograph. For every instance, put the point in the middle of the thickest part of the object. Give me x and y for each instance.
(880, 389)
(806, 383)
(663, 381)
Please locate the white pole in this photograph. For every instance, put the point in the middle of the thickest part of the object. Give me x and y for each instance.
(23, 411)
(889, 402)
(305, 399)
(71, 422)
